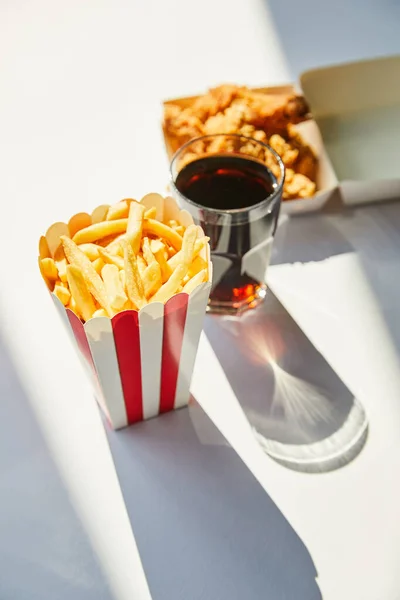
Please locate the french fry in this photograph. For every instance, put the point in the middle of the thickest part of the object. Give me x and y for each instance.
(62, 293)
(100, 230)
(80, 292)
(170, 287)
(178, 257)
(78, 222)
(111, 259)
(98, 264)
(147, 253)
(50, 284)
(116, 247)
(62, 268)
(157, 228)
(180, 229)
(93, 280)
(44, 251)
(151, 213)
(91, 250)
(171, 251)
(99, 214)
(151, 279)
(122, 279)
(133, 282)
(142, 265)
(135, 225)
(116, 295)
(166, 270)
(49, 269)
(106, 241)
(200, 277)
(72, 306)
(189, 240)
(156, 246)
(119, 210)
(198, 264)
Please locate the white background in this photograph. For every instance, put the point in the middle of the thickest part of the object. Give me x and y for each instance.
(80, 93)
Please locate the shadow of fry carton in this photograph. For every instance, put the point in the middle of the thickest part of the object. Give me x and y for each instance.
(141, 362)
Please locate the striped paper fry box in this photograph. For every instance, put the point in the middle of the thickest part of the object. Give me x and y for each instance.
(141, 362)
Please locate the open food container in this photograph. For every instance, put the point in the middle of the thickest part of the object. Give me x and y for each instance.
(354, 131)
(326, 182)
(140, 362)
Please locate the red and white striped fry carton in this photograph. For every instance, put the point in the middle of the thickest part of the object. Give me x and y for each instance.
(141, 362)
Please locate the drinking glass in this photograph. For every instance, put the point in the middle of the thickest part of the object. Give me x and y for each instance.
(232, 186)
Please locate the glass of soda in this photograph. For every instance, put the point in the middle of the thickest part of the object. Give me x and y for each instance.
(232, 187)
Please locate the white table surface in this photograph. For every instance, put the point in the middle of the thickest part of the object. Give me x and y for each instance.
(80, 97)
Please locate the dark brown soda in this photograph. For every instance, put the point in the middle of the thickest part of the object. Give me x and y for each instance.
(226, 182)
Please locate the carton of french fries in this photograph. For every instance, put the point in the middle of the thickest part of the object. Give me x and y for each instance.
(131, 283)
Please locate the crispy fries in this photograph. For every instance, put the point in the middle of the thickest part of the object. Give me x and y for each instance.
(189, 240)
(62, 293)
(93, 281)
(151, 213)
(49, 269)
(195, 281)
(135, 225)
(163, 231)
(133, 281)
(100, 230)
(170, 287)
(111, 259)
(91, 251)
(151, 279)
(142, 265)
(147, 253)
(179, 257)
(115, 292)
(122, 258)
(79, 291)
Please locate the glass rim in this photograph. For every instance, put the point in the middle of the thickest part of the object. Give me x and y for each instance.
(270, 198)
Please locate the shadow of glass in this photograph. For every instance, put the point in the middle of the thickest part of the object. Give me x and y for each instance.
(302, 413)
(204, 526)
(44, 551)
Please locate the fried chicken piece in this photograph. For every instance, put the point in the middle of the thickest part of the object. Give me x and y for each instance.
(182, 123)
(297, 186)
(273, 113)
(287, 153)
(306, 163)
(216, 100)
(222, 144)
(226, 108)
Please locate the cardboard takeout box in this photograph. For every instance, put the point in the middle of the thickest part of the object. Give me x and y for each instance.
(326, 179)
(354, 131)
